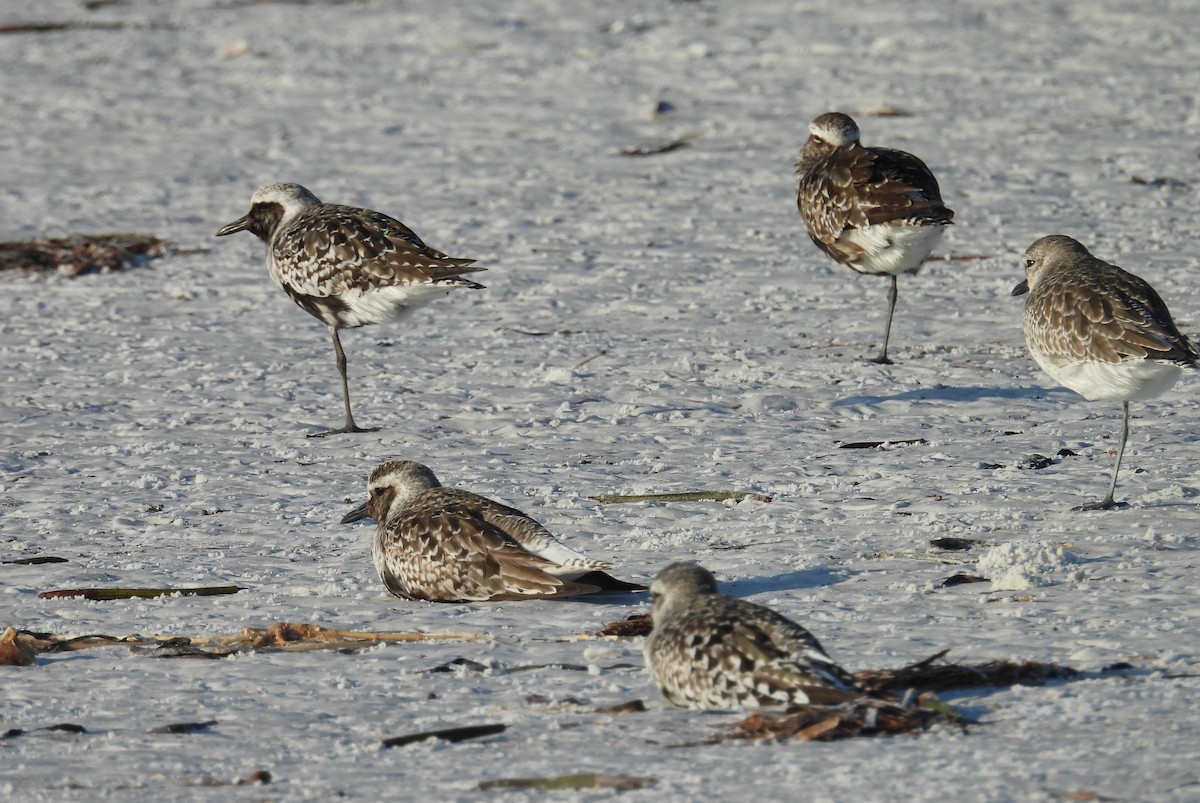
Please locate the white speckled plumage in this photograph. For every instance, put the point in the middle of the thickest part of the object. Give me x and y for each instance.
(709, 651)
(1099, 330)
(450, 545)
(346, 266)
(875, 210)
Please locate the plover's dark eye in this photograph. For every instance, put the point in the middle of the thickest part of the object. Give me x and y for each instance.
(1029, 263)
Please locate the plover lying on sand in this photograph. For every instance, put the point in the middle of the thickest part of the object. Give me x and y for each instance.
(1099, 330)
(347, 266)
(874, 210)
(449, 545)
(710, 651)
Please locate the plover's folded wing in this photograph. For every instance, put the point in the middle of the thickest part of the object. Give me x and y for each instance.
(464, 557)
(1077, 321)
(339, 248)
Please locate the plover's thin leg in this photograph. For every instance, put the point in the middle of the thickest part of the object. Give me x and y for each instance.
(349, 426)
(1107, 503)
(882, 359)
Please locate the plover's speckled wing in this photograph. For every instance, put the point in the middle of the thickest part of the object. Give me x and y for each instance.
(329, 249)
(1103, 313)
(448, 553)
(525, 531)
(725, 655)
(447, 544)
(857, 187)
(711, 651)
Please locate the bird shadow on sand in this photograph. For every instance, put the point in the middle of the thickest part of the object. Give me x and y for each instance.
(787, 581)
(951, 394)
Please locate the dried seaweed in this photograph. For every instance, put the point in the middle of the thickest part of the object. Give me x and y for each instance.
(866, 717)
(631, 707)
(52, 27)
(184, 727)
(81, 253)
(682, 496)
(585, 781)
(35, 561)
(881, 444)
(658, 148)
(639, 624)
(279, 637)
(139, 593)
(951, 544)
(447, 735)
(933, 674)
(962, 579)
(65, 727)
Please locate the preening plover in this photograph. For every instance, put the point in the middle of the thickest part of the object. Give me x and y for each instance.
(347, 266)
(710, 651)
(1099, 330)
(874, 210)
(449, 545)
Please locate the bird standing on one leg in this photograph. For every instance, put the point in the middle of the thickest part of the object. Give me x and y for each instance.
(874, 210)
(347, 266)
(709, 651)
(1100, 331)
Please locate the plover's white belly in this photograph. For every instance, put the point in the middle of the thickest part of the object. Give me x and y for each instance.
(380, 304)
(1120, 381)
(893, 248)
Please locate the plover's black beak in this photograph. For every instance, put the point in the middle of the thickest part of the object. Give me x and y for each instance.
(241, 224)
(357, 514)
(1021, 289)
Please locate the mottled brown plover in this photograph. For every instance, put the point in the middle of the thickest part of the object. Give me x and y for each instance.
(708, 651)
(449, 545)
(874, 210)
(1099, 330)
(347, 266)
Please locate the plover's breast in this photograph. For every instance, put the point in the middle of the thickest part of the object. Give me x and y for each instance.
(1127, 380)
(892, 248)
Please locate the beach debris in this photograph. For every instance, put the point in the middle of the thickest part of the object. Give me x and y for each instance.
(139, 593)
(447, 735)
(561, 782)
(682, 496)
(81, 253)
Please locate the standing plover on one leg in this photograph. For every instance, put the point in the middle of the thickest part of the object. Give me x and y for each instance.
(708, 651)
(1099, 330)
(448, 545)
(874, 210)
(347, 266)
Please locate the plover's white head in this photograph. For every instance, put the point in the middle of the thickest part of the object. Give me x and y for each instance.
(834, 128)
(1048, 253)
(271, 207)
(392, 486)
(675, 587)
(826, 134)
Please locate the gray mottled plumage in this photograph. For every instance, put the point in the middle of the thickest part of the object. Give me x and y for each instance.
(347, 266)
(874, 210)
(449, 545)
(1099, 330)
(708, 651)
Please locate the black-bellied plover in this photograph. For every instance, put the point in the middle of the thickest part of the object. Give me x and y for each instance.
(1099, 330)
(449, 545)
(347, 266)
(874, 210)
(711, 651)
